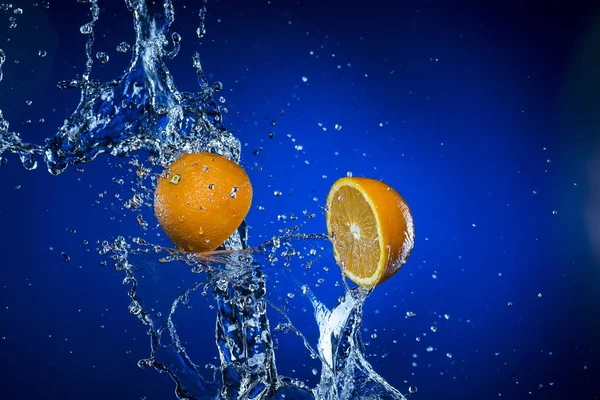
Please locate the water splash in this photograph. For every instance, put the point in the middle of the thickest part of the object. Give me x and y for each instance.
(141, 110)
(237, 280)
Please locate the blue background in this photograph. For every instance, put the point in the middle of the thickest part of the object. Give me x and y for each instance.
(484, 116)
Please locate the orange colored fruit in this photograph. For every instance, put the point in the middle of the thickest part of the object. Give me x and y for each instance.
(371, 228)
(201, 199)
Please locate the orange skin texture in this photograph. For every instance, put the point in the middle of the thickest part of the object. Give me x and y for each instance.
(207, 203)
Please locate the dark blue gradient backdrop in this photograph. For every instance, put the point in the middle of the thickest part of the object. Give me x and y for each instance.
(483, 115)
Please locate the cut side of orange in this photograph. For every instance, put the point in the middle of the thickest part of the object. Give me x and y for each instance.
(371, 228)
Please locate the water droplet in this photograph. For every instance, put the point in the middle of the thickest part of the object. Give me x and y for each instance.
(233, 192)
(86, 29)
(123, 47)
(102, 57)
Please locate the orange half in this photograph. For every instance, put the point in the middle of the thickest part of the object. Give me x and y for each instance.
(371, 229)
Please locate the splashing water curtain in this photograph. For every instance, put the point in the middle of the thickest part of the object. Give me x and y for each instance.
(143, 110)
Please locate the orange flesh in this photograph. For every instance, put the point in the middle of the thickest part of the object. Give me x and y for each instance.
(354, 228)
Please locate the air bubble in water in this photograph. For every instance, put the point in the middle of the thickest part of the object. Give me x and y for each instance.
(277, 193)
(410, 314)
(338, 127)
(304, 79)
(554, 212)
(18, 11)
(412, 389)
(102, 57)
(42, 53)
(449, 355)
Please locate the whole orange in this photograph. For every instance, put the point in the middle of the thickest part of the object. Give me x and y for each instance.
(201, 199)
